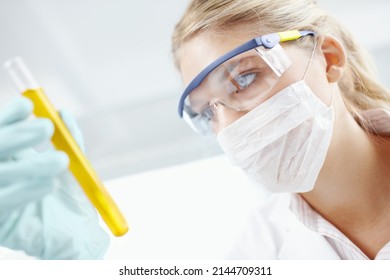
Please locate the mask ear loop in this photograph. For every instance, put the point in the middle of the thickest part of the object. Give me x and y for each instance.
(311, 58)
(307, 69)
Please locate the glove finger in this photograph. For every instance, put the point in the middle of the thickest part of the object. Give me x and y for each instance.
(71, 192)
(26, 153)
(73, 128)
(90, 242)
(43, 165)
(16, 110)
(17, 195)
(23, 135)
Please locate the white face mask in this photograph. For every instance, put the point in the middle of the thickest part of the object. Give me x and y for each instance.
(282, 143)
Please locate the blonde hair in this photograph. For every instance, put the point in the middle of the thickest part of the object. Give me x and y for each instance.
(358, 85)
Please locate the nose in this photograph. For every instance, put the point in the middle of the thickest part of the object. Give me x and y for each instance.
(225, 116)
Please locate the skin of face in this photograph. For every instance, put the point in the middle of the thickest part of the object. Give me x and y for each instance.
(352, 189)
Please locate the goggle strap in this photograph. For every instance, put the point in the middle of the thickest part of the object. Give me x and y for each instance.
(289, 35)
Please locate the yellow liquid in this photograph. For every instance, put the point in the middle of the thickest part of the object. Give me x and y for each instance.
(79, 165)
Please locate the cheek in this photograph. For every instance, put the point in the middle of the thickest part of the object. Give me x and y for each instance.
(315, 76)
(318, 83)
(292, 75)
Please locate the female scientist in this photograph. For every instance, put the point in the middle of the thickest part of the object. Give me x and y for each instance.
(292, 100)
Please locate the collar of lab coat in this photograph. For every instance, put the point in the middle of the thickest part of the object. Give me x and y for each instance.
(377, 120)
(304, 244)
(301, 242)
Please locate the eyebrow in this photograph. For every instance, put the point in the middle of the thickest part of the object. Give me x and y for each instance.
(237, 61)
(241, 57)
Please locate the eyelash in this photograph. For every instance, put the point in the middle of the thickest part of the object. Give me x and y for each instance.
(251, 75)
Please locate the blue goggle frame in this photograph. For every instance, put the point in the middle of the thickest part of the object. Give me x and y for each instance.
(268, 41)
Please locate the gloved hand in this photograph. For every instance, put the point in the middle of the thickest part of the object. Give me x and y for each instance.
(42, 209)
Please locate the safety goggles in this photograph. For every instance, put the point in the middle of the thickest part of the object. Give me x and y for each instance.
(237, 80)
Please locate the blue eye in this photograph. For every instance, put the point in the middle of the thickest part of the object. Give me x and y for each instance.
(208, 114)
(245, 80)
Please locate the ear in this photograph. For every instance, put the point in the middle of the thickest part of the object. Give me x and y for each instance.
(335, 57)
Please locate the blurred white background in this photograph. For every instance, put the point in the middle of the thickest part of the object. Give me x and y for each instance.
(109, 63)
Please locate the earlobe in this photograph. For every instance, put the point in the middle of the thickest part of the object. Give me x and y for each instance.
(335, 57)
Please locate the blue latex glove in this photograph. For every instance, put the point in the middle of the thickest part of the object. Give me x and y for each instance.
(42, 209)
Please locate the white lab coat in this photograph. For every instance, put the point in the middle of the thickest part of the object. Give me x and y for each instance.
(274, 232)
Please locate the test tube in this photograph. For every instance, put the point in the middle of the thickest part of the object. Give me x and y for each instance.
(62, 140)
